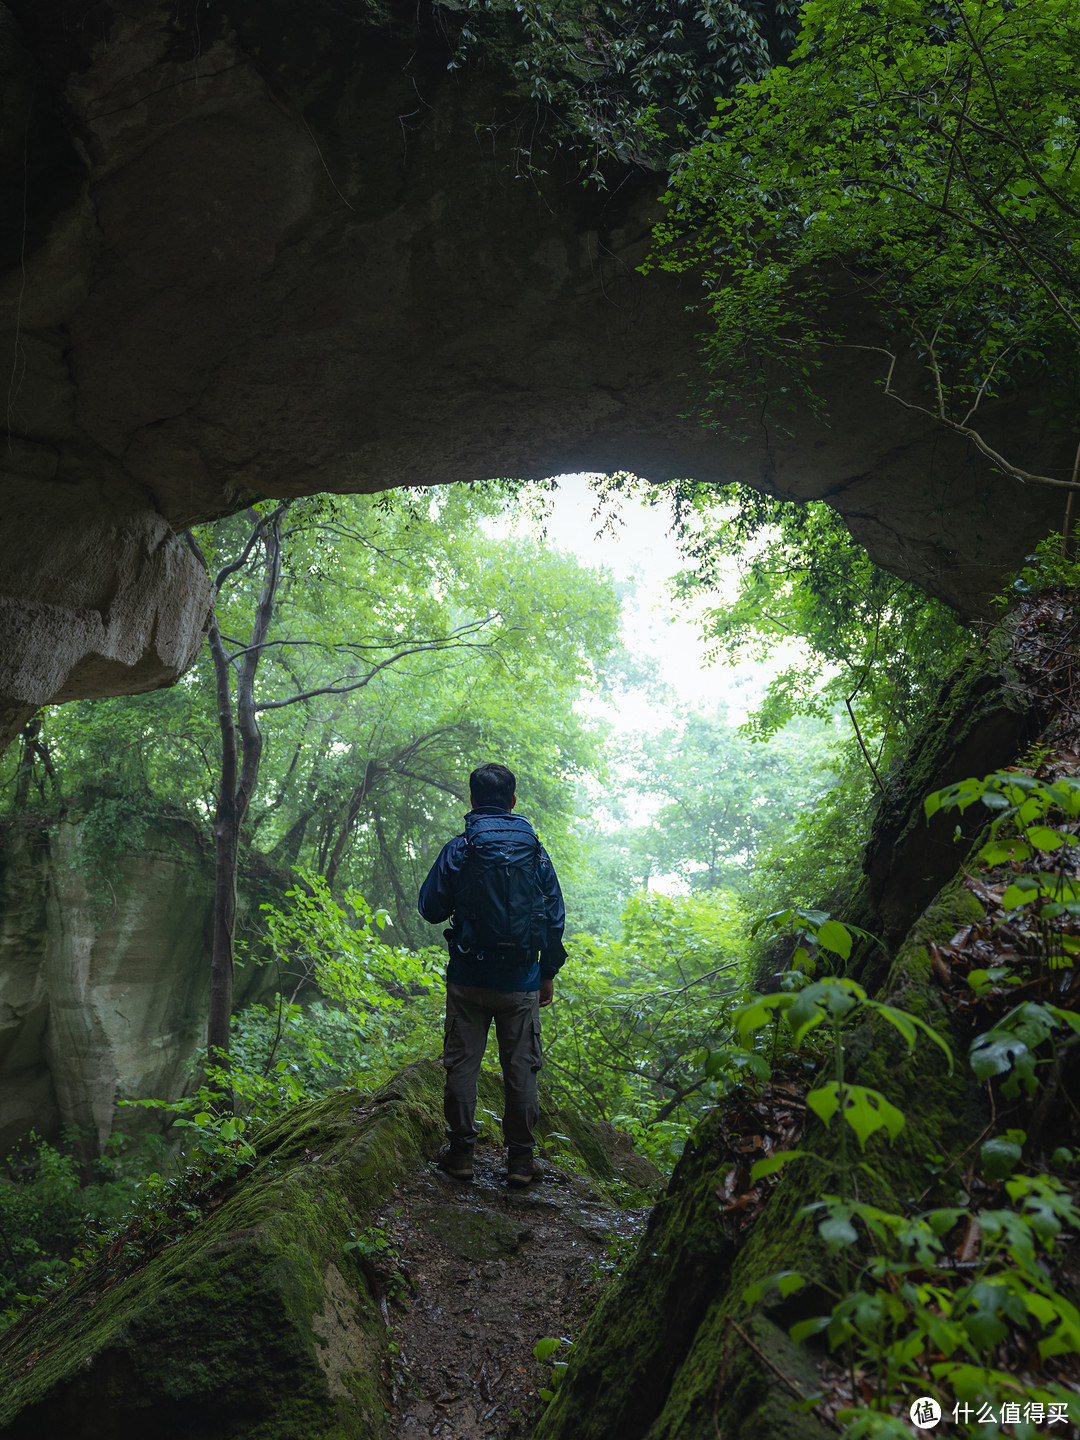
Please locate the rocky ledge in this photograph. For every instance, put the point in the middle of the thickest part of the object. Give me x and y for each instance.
(268, 1318)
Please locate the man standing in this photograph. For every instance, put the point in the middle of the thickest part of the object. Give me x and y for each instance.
(498, 888)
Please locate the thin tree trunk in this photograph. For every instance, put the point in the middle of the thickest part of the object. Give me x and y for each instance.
(25, 769)
(404, 907)
(287, 850)
(226, 837)
(241, 752)
(352, 810)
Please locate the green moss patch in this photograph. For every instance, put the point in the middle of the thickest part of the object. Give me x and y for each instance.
(673, 1351)
(258, 1322)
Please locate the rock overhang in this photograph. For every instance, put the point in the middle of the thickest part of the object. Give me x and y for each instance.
(302, 256)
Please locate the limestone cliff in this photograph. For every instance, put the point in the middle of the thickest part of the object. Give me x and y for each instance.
(104, 974)
(272, 249)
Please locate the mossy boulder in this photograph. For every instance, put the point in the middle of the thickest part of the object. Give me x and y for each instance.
(674, 1351)
(984, 716)
(259, 1322)
(474, 1234)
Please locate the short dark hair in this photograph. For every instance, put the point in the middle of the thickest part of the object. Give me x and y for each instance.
(492, 785)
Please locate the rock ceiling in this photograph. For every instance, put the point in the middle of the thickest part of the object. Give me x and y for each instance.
(272, 249)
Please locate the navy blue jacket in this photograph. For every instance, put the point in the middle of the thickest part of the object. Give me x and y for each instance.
(501, 969)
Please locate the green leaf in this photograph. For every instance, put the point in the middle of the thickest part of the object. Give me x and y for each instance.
(772, 1163)
(823, 1102)
(995, 1053)
(801, 960)
(837, 1230)
(785, 1281)
(1000, 1157)
(759, 1013)
(865, 1110)
(1043, 838)
(941, 1221)
(909, 1024)
(999, 852)
(1022, 891)
(868, 1111)
(835, 937)
(804, 1329)
(546, 1347)
(1066, 1017)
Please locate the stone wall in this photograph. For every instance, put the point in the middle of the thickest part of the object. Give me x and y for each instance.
(104, 975)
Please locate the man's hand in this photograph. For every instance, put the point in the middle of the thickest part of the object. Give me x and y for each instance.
(547, 992)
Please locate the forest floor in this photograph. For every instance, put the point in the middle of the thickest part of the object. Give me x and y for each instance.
(480, 1273)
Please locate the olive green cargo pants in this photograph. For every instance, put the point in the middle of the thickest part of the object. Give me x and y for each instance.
(469, 1013)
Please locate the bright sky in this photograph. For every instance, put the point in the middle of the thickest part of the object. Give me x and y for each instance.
(643, 549)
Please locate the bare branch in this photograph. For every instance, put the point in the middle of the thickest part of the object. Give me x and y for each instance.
(966, 430)
(367, 679)
(257, 532)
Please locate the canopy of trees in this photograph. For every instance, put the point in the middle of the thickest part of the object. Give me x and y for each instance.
(909, 186)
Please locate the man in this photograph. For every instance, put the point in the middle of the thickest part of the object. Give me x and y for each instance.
(497, 886)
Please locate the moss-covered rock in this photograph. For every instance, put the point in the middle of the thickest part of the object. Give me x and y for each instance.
(984, 717)
(674, 1350)
(474, 1234)
(623, 1366)
(259, 1322)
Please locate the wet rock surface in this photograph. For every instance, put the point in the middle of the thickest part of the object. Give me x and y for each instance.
(243, 274)
(490, 1271)
(339, 1288)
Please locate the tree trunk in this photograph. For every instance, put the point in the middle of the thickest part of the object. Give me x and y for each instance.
(25, 770)
(226, 839)
(352, 810)
(239, 775)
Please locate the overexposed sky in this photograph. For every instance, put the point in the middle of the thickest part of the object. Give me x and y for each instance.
(641, 548)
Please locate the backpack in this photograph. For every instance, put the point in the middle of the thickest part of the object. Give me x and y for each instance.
(499, 904)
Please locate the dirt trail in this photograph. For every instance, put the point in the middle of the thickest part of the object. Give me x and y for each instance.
(490, 1272)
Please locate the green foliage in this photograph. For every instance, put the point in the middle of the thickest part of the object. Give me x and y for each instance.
(379, 1007)
(621, 81)
(1032, 842)
(543, 1350)
(904, 1312)
(717, 803)
(377, 1252)
(837, 1002)
(625, 1039)
(49, 1200)
(908, 1304)
(1048, 568)
(454, 647)
(389, 994)
(872, 644)
(722, 797)
(923, 159)
(1009, 1048)
(869, 651)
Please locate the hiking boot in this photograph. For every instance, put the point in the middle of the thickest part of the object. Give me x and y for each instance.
(456, 1163)
(523, 1170)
